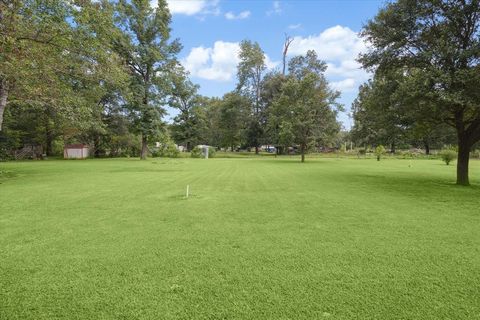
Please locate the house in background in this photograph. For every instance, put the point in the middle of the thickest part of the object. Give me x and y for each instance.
(75, 151)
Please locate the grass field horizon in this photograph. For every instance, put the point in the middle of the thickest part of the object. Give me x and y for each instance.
(258, 238)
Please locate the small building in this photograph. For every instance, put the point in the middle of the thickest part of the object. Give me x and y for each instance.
(75, 151)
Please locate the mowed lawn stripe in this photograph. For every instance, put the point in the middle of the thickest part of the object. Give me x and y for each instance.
(257, 238)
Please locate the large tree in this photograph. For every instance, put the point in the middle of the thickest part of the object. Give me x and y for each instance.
(144, 43)
(251, 70)
(30, 33)
(275, 133)
(306, 104)
(55, 63)
(234, 110)
(185, 98)
(436, 45)
(376, 114)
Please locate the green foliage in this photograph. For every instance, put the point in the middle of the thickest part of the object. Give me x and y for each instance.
(57, 66)
(379, 152)
(167, 149)
(377, 118)
(408, 154)
(189, 127)
(433, 48)
(212, 152)
(250, 73)
(448, 155)
(286, 135)
(250, 70)
(196, 152)
(143, 41)
(305, 108)
(233, 118)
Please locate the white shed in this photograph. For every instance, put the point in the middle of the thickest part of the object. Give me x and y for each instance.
(75, 151)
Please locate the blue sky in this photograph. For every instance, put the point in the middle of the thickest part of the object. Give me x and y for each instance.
(210, 31)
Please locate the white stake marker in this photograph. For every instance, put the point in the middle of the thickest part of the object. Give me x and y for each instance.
(188, 187)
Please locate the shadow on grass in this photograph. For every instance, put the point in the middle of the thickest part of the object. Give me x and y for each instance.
(6, 175)
(428, 186)
(431, 189)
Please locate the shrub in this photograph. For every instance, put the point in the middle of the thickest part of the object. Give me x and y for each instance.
(196, 152)
(171, 151)
(4, 155)
(212, 152)
(410, 154)
(167, 150)
(379, 151)
(448, 155)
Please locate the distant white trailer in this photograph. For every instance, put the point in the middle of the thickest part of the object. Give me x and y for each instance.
(75, 151)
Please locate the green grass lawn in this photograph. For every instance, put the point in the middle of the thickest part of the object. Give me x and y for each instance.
(259, 238)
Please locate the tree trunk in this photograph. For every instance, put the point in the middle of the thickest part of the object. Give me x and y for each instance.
(49, 136)
(143, 155)
(462, 162)
(96, 144)
(256, 149)
(231, 148)
(3, 99)
(302, 152)
(48, 140)
(427, 148)
(392, 148)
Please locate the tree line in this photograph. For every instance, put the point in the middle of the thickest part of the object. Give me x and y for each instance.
(282, 109)
(103, 73)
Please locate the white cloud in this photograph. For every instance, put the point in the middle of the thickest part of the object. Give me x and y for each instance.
(334, 43)
(191, 7)
(186, 7)
(348, 84)
(271, 64)
(276, 8)
(218, 63)
(339, 46)
(295, 26)
(242, 15)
